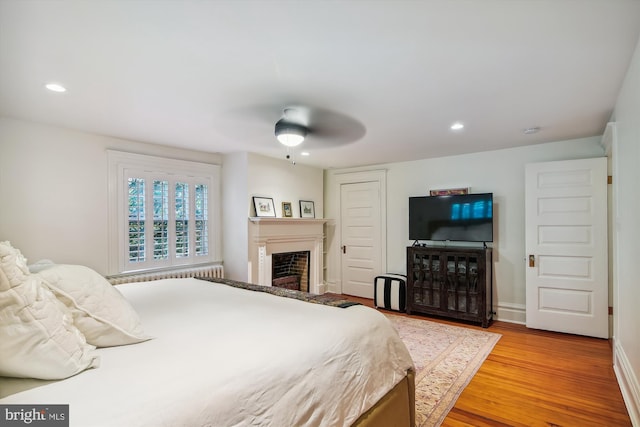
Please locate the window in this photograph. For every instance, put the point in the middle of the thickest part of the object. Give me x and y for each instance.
(163, 212)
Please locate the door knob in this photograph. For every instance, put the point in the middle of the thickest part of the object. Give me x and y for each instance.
(532, 260)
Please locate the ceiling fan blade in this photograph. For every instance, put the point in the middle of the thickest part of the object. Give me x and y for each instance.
(331, 129)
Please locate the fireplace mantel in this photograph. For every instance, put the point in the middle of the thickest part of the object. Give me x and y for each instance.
(284, 221)
(269, 235)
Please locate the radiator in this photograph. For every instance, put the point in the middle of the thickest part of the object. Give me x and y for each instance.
(206, 271)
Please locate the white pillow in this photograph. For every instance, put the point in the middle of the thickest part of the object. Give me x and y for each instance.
(40, 265)
(37, 335)
(13, 263)
(99, 310)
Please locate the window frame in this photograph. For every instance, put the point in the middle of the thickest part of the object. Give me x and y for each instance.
(121, 165)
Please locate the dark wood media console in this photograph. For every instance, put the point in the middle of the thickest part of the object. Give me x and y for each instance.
(453, 282)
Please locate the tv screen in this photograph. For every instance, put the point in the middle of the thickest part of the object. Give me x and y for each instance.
(461, 218)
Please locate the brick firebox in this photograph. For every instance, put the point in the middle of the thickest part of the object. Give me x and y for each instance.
(291, 270)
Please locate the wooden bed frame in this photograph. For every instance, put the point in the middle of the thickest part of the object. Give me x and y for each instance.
(396, 408)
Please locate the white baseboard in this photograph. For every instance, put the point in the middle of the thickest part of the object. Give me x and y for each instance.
(332, 287)
(628, 382)
(512, 313)
(322, 288)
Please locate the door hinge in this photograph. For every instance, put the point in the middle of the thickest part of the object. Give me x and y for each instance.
(609, 179)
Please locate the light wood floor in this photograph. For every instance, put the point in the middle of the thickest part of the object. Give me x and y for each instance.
(539, 378)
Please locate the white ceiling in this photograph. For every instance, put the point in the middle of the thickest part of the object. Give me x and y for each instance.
(215, 75)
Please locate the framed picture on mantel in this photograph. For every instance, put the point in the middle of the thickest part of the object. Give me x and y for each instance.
(286, 210)
(307, 210)
(264, 206)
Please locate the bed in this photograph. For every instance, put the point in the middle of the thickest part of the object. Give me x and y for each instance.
(214, 354)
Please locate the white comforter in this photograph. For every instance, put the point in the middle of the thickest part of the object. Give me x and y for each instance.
(223, 356)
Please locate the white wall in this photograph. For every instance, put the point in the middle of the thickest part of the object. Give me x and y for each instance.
(234, 215)
(500, 172)
(284, 182)
(626, 178)
(53, 190)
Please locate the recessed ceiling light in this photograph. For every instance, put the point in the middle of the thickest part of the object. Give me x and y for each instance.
(304, 153)
(55, 87)
(529, 131)
(457, 126)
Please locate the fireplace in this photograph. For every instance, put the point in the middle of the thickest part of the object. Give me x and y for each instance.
(290, 270)
(269, 237)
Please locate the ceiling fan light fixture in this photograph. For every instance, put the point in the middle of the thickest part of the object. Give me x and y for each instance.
(290, 134)
(55, 87)
(457, 126)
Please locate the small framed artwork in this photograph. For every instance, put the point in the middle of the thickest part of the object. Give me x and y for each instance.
(264, 206)
(449, 192)
(286, 210)
(307, 210)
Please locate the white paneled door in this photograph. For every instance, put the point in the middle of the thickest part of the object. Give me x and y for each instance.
(566, 246)
(361, 237)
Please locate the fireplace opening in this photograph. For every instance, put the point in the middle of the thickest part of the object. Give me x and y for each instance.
(290, 270)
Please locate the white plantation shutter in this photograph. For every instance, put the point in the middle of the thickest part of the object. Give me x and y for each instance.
(164, 211)
(136, 215)
(161, 209)
(201, 219)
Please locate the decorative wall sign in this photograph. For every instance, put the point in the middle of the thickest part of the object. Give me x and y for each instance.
(449, 191)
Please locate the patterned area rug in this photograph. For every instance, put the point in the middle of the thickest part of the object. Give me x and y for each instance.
(446, 358)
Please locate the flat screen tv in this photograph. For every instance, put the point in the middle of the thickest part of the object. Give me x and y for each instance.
(459, 218)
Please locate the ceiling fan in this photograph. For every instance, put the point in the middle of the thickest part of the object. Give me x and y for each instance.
(317, 127)
(292, 123)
